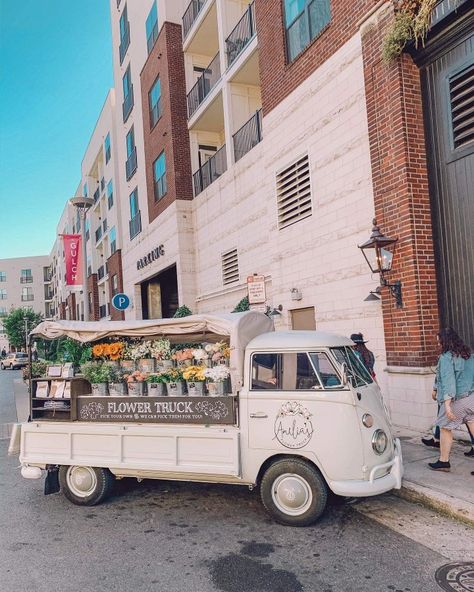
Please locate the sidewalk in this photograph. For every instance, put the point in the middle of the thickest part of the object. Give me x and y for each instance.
(450, 493)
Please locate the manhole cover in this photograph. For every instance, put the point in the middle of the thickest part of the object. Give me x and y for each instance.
(456, 577)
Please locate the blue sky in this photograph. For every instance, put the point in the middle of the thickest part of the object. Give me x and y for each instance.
(55, 71)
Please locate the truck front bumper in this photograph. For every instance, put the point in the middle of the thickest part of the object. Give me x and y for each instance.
(373, 486)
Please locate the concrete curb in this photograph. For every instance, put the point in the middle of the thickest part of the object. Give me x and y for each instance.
(436, 500)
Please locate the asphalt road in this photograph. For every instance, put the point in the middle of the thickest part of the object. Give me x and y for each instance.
(7, 398)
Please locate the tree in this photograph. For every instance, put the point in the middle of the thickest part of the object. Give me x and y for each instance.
(16, 322)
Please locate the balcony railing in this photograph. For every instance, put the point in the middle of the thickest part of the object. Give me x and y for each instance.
(127, 104)
(26, 279)
(47, 274)
(27, 297)
(150, 42)
(241, 35)
(205, 83)
(191, 14)
(48, 294)
(96, 195)
(98, 234)
(248, 136)
(135, 225)
(131, 164)
(101, 272)
(210, 171)
(124, 43)
(155, 113)
(103, 311)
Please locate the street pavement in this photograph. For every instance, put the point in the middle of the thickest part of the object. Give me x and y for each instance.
(177, 537)
(7, 397)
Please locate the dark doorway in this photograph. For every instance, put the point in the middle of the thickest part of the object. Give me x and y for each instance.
(448, 97)
(160, 295)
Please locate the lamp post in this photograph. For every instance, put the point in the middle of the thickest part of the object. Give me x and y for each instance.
(379, 256)
(83, 204)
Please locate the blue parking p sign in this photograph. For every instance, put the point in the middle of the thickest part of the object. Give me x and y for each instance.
(120, 301)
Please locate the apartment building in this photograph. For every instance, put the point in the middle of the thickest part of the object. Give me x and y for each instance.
(263, 137)
(25, 282)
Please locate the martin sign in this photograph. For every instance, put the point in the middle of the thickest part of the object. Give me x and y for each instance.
(150, 257)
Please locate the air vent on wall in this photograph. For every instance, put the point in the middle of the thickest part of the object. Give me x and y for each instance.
(461, 90)
(230, 267)
(294, 193)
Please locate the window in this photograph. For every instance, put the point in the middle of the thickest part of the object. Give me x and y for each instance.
(110, 194)
(113, 240)
(84, 190)
(88, 229)
(461, 94)
(27, 294)
(159, 176)
(3, 276)
(114, 284)
(154, 98)
(131, 163)
(230, 267)
(3, 311)
(289, 372)
(89, 266)
(325, 370)
(304, 21)
(294, 193)
(151, 27)
(130, 141)
(124, 27)
(26, 276)
(135, 222)
(127, 88)
(134, 203)
(107, 148)
(357, 372)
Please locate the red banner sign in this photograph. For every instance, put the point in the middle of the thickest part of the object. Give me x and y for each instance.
(73, 259)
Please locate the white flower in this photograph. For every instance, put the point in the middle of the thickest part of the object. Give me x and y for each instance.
(217, 374)
(200, 354)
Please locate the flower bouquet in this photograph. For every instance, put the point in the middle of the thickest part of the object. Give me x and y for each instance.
(200, 356)
(219, 352)
(216, 379)
(117, 384)
(183, 357)
(175, 384)
(109, 352)
(156, 385)
(135, 383)
(195, 379)
(160, 350)
(98, 374)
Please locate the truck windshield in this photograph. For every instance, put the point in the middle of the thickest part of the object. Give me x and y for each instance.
(357, 372)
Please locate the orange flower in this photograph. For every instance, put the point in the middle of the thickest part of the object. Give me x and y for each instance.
(115, 357)
(98, 350)
(115, 349)
(106, 347)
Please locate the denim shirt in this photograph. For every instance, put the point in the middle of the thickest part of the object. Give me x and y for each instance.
(454, 377)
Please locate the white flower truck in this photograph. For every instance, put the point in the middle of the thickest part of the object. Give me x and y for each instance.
(304, 417)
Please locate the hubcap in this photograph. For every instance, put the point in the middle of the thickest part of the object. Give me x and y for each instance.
(82, 481)
(292, 494)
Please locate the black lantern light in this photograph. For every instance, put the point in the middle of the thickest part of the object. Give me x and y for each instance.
(378, 252)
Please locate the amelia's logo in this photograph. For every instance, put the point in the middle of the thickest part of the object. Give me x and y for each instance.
(293, 427)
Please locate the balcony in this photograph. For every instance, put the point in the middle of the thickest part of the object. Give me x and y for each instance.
(96, 195)
(88, 234)
(124, 43)
(135, 225)
(26, 279)
(205, 83)
(241, 35)
(103, 311)
(110, 200)
(104, 224)
(131, 164)
(102, 184)
(101, 273)
(150, 42)
(47, 274)
(48, 294)
(248, 136)
(98, 234)
(191, 14)
(27, 297)
(127, 104)
(211, 170)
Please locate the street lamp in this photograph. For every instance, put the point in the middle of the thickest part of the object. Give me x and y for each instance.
(83, 204)
(378, 252)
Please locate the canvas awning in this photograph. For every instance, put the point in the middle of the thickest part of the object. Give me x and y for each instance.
(238, 328)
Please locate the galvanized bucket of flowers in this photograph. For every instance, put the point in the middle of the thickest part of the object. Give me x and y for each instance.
(195, 380)
(175, 384)
(156, 385)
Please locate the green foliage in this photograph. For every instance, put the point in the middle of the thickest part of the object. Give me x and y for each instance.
(39, 368)
(397, 37)
(69, 350)
(157, 378)
(182, 311)
(14, 325)
(116, 373)
(242, 305)
(96, 372)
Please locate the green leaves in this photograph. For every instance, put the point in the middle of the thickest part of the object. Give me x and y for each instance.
(17, 323)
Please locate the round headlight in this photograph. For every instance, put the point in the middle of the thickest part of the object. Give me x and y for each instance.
(379, 441)
(367, 420)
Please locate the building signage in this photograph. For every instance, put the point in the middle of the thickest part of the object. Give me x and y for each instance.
(256, 289)
(194, 410)
(120, 301)
(73, 259)
(150, 257)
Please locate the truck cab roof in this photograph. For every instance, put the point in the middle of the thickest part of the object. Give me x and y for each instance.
(300, 340)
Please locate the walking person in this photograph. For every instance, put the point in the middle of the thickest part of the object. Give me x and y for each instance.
(454, 392)
(363, 352)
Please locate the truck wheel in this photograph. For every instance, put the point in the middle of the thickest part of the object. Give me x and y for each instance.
(85, 486)
(293, 492)
(2, 366)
